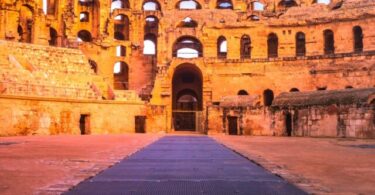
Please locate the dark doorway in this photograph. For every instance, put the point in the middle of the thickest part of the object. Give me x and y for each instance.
(187, 97)
(140, 124)
(53, 37)
(268, 97)
(232, 125)
(288, 124)
(184, 121)
(84, 124)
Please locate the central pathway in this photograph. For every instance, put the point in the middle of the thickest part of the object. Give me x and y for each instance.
(189, 165)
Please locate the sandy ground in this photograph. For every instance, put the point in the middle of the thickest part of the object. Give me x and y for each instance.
(317, 165)
(51, 165)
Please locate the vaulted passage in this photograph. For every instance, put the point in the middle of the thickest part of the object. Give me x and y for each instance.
(187, 97)
(186, 165)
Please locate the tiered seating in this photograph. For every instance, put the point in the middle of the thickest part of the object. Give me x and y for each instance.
(35, 70)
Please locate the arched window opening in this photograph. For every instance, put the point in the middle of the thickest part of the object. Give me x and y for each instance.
(84, 17)
(187, 47)
(349, 87)
(329, 42)
(222, 47)
(284, 4)
(358, 39)
(151, 5)
(257, 6)
(120, 51)
(53, 37)
(149, 45)
(245, 46)
(121, 25)
(300, 44)
(49, 7)
(273, 45)
(93, 66)
(84, 36)
(224, 4)
(188, 23)
(322, 1)
(268, 97)
(188, 5)
(294, 90)
(25, 28)
(242, 92)
(45, 6)
(120, 4)
(121, 76)
(151, 25)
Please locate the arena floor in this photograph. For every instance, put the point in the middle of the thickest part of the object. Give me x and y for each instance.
(54, 164)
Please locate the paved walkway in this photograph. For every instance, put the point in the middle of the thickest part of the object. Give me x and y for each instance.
(189, 165)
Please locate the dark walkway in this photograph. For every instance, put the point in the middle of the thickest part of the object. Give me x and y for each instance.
(187, 165)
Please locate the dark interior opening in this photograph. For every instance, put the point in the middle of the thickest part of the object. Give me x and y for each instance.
(232, 125)
(289, 123)
(140, 124)
(84, 124)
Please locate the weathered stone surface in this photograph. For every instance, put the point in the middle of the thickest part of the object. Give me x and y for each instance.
(289, 45)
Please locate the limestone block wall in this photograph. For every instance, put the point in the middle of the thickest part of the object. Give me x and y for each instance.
(42, 116)
(328, 121)
(250, 120)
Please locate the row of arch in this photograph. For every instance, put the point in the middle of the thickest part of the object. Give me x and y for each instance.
(193, 48)
(154, 5)
(190, 47)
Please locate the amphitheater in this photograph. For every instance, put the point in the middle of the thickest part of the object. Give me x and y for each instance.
(237, 67)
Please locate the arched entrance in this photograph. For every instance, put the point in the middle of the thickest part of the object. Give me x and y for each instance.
(25, 26)
(187, 98)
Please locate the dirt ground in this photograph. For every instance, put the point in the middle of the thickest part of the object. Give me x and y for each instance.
(51, 165)
(317, 165)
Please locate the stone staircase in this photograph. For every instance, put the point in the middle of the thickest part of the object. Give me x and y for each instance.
(35, 70)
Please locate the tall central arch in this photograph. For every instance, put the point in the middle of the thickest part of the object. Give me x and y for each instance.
(187, 98)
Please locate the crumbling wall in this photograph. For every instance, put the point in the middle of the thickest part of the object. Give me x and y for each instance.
(328, 121)
(40, 116)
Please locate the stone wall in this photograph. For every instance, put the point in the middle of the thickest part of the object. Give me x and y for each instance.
(328, 121)
(151, 77)
(316, 121)
(251, 120)
(51, 116)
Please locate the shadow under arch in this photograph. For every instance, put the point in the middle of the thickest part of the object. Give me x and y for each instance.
(187, 96)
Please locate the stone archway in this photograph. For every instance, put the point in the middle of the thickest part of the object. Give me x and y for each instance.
(187, 97)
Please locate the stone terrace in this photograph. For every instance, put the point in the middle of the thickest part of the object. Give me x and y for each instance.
(35, 70)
